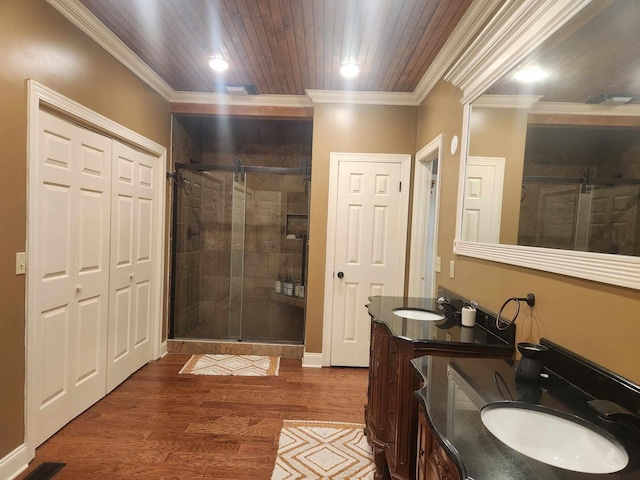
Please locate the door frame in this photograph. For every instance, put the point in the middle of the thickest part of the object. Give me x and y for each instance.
(423, 164)
(42, 96)
(335, 158)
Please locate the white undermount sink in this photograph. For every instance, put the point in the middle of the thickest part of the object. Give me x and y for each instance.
(418, 314)
(553, 438)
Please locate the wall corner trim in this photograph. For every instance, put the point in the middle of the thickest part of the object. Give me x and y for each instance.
(312, 360)
(14, 463)
(163, 349)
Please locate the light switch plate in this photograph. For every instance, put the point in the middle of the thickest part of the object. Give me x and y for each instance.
(438, 264)
(21, 263)
(452, 269)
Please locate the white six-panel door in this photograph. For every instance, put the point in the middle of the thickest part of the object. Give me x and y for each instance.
(132, 254)
(482, 207)
(369, 250)
(71, 266)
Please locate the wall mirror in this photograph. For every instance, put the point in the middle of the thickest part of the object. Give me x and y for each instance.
(552, 173)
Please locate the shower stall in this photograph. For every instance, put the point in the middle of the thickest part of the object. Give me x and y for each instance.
(238, 233)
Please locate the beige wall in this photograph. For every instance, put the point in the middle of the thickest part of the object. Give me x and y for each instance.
(345, 128)
(502, 132)
(598, 321)
(36, 42)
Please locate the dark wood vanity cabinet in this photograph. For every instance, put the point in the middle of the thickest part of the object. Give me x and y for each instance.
(433, 463)
(391, 413)
(389, 410)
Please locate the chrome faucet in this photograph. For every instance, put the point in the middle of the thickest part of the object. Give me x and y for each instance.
(450, 307)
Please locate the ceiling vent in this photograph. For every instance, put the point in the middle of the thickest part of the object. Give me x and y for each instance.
(240, 90)
(613, 99)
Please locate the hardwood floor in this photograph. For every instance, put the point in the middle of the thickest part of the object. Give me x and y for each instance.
(162, 425)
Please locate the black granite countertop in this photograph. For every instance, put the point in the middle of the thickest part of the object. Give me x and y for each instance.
(443, 332)
(456, 389)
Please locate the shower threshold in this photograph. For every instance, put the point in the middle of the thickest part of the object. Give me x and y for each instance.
(234, 347)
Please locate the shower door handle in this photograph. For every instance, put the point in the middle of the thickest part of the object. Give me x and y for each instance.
(340, 275)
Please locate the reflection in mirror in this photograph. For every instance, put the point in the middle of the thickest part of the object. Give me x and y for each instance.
(554, 146)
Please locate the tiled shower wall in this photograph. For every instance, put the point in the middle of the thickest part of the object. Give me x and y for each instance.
(187, 257)
(185, 149)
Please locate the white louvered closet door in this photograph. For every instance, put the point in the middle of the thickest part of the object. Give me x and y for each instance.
(132, 260)
(71, 267)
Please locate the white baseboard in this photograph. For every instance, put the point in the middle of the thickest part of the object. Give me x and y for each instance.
(312, 360)
(14, 463)
(163, 349)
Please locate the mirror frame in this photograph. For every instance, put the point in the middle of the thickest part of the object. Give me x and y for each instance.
(514, 32)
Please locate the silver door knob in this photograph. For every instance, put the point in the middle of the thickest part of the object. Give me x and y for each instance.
(78, 288)
(131, 276)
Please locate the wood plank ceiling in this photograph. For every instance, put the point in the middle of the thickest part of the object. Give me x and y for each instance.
(284, 46)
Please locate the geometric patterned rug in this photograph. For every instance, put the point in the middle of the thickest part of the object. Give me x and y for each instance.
(323, 450)
(242, 365)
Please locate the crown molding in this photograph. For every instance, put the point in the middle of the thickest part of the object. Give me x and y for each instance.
(514, 32)
(363, 98)
(473, 20)
(506, 101)
(567, 108)
(86, 21)
(203, 98)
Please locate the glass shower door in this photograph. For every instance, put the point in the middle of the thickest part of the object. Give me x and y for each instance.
(275, 231)
(235, 233)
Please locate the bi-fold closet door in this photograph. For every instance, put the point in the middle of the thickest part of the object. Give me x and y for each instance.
(94, 204)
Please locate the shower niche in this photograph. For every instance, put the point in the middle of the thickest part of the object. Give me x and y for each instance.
(240, 224)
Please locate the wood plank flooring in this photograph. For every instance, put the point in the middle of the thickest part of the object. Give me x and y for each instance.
(161, 425)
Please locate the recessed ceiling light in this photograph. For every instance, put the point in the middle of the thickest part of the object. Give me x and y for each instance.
(530, 74)
(218, 64)
(349, 70)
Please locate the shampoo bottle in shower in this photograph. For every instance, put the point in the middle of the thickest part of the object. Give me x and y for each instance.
(278, 284)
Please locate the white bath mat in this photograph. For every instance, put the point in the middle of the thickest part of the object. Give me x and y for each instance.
(241, 365)
(323, 450)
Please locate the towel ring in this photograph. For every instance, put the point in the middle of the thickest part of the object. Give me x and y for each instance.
(531, 301)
